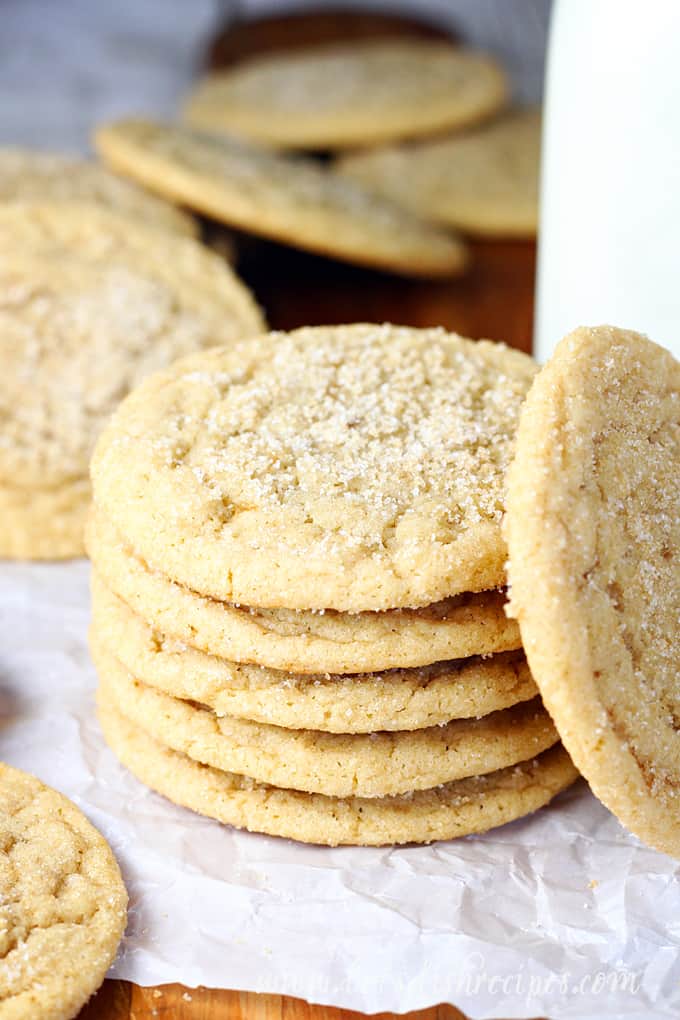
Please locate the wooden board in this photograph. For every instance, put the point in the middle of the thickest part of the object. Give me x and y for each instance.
(119, 1000)
(494, 300)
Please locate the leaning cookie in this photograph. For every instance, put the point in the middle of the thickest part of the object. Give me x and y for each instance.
(593, 529)
(63, 904)
(295, 201)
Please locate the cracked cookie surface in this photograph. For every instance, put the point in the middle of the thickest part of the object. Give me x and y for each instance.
(351, 468)
(593, 528)
(62, 902)
(456, 809)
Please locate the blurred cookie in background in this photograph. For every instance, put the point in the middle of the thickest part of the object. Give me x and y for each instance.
(295, 200)
(483, 181)
(350, 93)
(35, 175)
(90, 303)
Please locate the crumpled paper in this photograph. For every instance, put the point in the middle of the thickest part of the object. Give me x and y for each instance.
(562, 914)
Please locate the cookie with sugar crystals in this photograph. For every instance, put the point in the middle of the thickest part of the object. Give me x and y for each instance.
(349, 468)
(593, 528)
(296, 201)
(30, 175)
(483, 181)
(395, 699)
(63, 905)
(299, 641)
(350, 93)
(90, 303)
(456, 809)
(336, 764)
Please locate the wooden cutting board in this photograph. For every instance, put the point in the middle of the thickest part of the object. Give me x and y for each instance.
(119, 1000)
(494, 300)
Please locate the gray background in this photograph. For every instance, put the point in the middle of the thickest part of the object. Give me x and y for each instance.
(67, 64)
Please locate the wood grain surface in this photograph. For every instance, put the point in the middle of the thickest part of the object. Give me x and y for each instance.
(119, 1000)
(494, 300)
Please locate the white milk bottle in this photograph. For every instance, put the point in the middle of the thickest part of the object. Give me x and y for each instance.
(609, 246)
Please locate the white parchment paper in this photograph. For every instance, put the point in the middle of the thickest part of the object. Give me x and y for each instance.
(559, 915)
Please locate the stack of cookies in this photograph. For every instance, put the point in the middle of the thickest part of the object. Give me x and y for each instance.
(299, 621)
